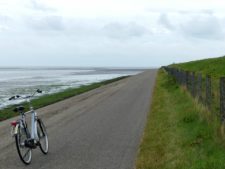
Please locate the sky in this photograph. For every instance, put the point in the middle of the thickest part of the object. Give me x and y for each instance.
(112, 33)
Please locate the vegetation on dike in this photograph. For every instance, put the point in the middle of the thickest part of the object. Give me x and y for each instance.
(180, 133)
(214, 66)
(53, 98)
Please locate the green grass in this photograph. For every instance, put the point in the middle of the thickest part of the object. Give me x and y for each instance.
(214, 67)
(53, 98)
(180, 133)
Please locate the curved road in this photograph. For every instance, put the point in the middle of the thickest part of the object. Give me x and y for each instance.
(100, 129)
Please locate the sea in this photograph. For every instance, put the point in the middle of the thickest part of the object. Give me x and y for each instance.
(25, 80)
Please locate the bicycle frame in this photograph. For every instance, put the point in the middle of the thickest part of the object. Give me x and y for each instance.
(33, 127)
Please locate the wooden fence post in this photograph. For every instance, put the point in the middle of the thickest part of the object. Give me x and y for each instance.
(186, 79)
(190, 81)
(199, 87)
(183, 78)
(193, 85)
(208, 91)
(222, 98)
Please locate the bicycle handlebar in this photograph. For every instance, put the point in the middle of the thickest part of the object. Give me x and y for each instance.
(14, 97)
(26, 97)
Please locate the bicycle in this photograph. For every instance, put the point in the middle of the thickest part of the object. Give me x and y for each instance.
(27, 140)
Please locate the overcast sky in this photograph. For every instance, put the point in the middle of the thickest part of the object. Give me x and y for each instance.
(130, 33)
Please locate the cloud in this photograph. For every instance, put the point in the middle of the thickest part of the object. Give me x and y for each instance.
(37, 5)
(164, 21)
(203, 26)
(47, 23)
(4, 18)
(124, 30)
(5, 21)
(190, 24)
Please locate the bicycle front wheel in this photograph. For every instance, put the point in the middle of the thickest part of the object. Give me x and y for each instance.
(24, 152)
(43, 137)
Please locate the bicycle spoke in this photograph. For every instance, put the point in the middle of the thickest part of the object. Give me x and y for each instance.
(26, 153)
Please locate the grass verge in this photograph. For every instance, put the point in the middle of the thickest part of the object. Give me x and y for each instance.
(180, 133)
(53, 98)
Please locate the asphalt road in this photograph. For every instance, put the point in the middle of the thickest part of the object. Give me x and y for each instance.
(100, 129)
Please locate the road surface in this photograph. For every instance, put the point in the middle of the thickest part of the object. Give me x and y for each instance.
(100, 129)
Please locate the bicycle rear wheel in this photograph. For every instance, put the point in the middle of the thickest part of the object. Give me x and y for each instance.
(43, 137)
(25, 153)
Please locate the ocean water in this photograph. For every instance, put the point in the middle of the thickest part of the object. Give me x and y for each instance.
(23, 81)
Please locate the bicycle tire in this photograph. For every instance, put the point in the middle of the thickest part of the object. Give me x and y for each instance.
(20, 145)
(43, 137)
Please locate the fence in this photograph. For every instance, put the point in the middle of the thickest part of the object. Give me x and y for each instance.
(207, 90)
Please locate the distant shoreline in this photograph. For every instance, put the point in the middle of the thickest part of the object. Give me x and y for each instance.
(24, 80)
(45, 100)
(77, 68)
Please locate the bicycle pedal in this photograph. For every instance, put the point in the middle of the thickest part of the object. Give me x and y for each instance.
(30, 143)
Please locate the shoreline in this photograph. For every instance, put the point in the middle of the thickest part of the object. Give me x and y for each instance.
(46, 100)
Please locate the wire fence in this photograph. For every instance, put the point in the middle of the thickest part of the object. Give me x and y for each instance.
(207, 90)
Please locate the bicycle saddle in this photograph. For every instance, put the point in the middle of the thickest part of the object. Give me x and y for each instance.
(19, 109)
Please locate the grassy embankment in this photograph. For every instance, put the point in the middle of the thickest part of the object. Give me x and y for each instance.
(53, 98)
(214, 67)
(180, 133)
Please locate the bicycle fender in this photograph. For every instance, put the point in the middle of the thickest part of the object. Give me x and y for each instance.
(16, 129)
